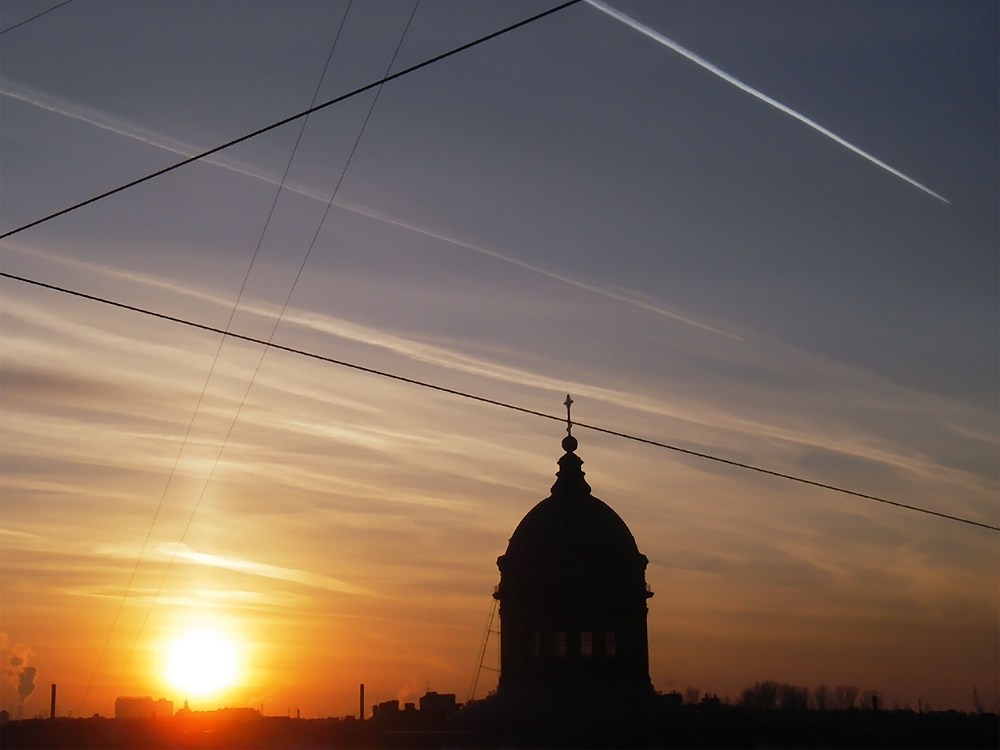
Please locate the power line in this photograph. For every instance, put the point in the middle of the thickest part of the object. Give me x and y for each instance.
(204, 388)
(37, 15)
(292, 118)
(274, 328)
(494, 402)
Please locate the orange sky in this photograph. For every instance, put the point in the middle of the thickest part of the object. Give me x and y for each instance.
(572, 210)
(351, 529)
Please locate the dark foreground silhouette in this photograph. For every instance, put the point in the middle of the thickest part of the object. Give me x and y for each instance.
(667, 726)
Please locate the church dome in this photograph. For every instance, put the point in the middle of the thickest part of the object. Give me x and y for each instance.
(573, 592)
(572, 534)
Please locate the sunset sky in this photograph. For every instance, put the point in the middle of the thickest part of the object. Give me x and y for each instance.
(574, 207)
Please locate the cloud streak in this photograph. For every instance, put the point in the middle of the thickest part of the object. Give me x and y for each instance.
(671, 44)
(304, 577)
(126, 129)
(725, 425)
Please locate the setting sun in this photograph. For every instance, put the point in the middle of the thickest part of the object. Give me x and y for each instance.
(201, 662)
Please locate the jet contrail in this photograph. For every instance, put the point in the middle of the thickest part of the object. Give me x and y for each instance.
(387, 219)
(127, 129)
(667, 42)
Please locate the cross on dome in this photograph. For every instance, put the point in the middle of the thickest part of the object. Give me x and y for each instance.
(569, 442)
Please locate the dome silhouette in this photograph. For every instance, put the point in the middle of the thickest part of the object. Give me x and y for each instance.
(572, 592)
(573, 534)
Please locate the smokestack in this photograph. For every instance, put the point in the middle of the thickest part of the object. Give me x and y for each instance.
(362, 702)
(52, 705)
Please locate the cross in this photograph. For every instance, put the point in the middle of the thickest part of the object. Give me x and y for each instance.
(569, 421)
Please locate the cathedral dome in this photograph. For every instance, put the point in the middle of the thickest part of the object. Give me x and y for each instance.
(572, 592)
(574, 537)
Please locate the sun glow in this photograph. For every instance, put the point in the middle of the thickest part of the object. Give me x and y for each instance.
(201, 662)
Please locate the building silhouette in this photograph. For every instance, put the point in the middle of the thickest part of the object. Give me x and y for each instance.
(143, 708)
(573, 595)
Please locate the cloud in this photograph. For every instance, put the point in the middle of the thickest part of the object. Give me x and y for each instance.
(306, 578)
(795, 425)
(604, 292)
(127, 129)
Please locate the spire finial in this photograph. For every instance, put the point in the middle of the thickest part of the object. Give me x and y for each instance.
(569, 442)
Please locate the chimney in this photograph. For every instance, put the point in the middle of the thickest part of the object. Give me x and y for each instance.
(362, 702)
(52, 705)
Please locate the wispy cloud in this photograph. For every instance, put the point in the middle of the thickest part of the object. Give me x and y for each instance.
(127, 129)
(264, 570)
(671, 44)
(712, 423)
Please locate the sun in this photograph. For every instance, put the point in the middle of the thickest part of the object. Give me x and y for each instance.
(201, 662)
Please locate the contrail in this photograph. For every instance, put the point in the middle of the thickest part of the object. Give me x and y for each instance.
(127, 129)
(386, 219)
(667, 42)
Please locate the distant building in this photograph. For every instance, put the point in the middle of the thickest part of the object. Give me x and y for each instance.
(673, 699)
(143, 708)
(438, 704)
(434, 708)
(573, 595)
(385, 711)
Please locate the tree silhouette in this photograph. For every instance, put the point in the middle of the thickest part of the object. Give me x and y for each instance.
(820, 696)
(763, 695)
(844, 696)
(871, 700)
(770, 695)
(792, 698)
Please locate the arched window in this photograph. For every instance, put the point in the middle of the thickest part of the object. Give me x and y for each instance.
(586, 643)
(561, 644)
(609, 643)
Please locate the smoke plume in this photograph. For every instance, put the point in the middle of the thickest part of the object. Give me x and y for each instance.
(15, 667)
(26, 683)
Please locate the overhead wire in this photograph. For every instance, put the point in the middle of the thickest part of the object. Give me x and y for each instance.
(218, 350)
(268, 343)
(37, 15)
(291, 118)
(274, 328)
(301, 115)
(502, 404)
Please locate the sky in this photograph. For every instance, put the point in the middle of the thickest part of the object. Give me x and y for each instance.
(574, 207)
